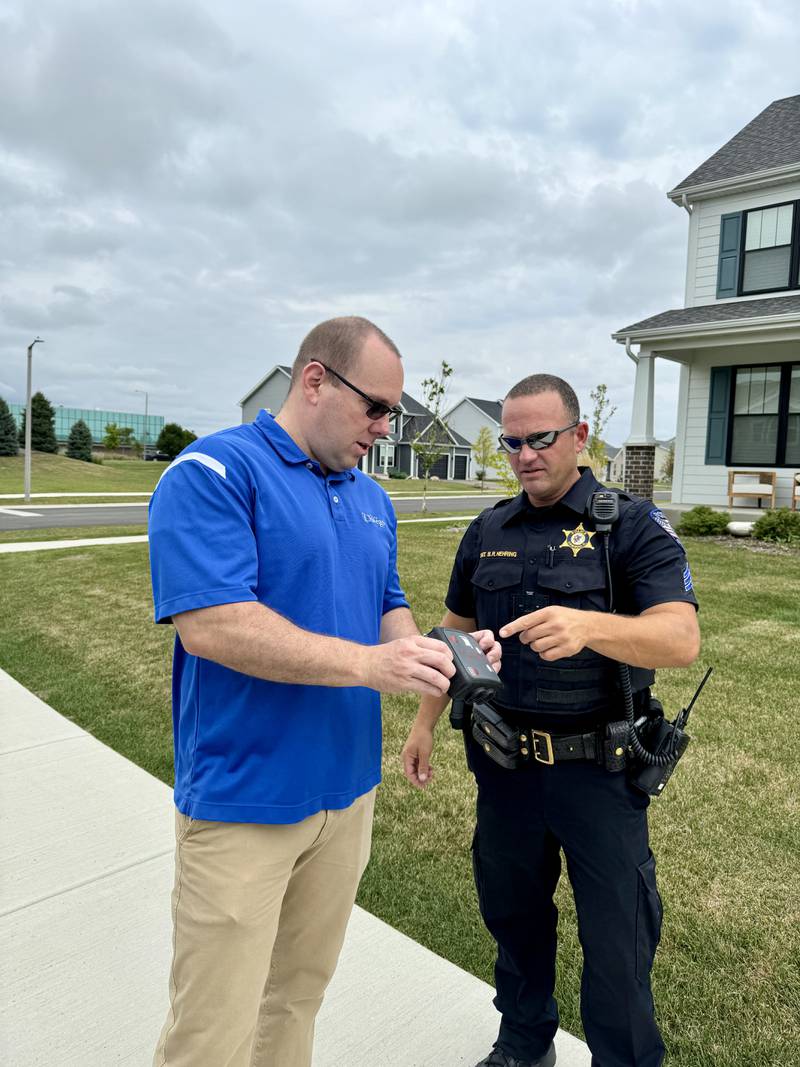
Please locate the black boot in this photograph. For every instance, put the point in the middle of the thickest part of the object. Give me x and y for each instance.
(498, 1058)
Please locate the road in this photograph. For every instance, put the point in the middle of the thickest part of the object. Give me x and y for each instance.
(33, 517)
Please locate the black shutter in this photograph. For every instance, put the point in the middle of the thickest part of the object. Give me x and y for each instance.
(730, 235)
(719, 398)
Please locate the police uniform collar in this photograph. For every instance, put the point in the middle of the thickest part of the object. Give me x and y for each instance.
(288, 449)
(575, 498)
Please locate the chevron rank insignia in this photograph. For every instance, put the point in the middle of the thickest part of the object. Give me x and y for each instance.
(577, 539)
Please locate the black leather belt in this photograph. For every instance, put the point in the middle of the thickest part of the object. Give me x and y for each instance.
(549, 748)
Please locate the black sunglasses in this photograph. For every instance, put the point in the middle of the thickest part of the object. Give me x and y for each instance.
(376, 409)
(536, 441)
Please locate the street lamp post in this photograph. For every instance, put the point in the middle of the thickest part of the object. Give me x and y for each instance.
(28, 421)
(144, 434)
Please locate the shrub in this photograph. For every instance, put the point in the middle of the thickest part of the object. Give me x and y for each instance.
(781, 526)
(703, 522)
(395, 472)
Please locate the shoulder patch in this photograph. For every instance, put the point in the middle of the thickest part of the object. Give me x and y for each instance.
(661, 520)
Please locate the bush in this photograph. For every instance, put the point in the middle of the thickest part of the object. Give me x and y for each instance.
(703, 522)
(395, 472)
(781, 526)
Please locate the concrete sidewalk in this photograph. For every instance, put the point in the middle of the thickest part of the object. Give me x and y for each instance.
(86, 851)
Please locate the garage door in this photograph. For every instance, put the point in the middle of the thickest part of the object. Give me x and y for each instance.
(438, 470)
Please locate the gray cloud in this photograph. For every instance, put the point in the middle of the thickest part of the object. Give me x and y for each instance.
(186, 188)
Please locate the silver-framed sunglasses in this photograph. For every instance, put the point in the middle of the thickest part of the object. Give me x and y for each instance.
(536, 441)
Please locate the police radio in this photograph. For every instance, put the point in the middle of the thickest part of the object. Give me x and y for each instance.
(655, 744)
(475, 678)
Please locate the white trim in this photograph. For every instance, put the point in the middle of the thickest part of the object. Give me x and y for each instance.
(739, 183)
(207, 461)
(773, 323)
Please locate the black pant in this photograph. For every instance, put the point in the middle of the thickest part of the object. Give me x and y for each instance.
(524, 818)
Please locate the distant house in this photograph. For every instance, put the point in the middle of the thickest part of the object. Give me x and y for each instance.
(393, 452)
(468, 417)
(737, 339)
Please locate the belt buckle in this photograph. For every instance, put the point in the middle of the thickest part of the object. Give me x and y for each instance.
(548, 759)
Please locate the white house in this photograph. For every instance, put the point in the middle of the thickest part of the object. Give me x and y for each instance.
(393, 452)
(468, 417)
(738, 337)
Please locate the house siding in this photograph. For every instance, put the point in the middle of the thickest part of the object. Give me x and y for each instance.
(467, 420)
(695, 481)
(703, 252)
(270, 396)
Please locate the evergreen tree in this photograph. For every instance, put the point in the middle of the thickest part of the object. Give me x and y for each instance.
(79, 443)
(43, 425)
(8, 431)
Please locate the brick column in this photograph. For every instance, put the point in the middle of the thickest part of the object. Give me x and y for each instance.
(639, 464)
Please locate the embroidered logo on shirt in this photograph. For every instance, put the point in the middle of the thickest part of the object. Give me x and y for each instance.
(661, 519)
(499, 553)
(372, 518)
(577, 539)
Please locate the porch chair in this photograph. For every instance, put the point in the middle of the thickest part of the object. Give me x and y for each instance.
(758, 484)
(795, 491)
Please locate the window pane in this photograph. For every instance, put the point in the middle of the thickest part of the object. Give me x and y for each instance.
(772, 389)
(769, 227)
(793, 440)
(794, 390)
(783, 235)
(741, 403)
(767, 269)
(753, 230)
(754, 439)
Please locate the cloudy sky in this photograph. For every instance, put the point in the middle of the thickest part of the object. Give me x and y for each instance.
(187, 186)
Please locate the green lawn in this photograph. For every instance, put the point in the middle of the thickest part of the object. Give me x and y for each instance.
(725, 834)
(69, 533)
(57, 474)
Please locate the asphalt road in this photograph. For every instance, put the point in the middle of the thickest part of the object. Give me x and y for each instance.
(17, 517)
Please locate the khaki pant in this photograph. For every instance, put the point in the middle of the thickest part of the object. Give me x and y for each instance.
(259, 917)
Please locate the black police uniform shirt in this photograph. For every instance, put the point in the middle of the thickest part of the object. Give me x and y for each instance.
(516, 558)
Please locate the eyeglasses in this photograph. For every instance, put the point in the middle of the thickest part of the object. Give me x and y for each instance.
(376, 409)
(536, 441)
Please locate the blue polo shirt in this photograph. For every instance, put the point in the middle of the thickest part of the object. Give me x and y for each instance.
(245, 515)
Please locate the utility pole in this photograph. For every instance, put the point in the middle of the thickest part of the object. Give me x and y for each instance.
(28, 421)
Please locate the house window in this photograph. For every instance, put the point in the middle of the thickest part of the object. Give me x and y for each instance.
(768, 248)
(385, 455)
(765, 416)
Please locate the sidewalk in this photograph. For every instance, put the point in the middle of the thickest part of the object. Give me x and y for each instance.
(86, 843)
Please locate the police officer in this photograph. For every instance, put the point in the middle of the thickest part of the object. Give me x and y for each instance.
(532, 570)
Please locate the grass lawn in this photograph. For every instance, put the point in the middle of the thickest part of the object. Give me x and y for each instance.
(57, 474)
(725, 833)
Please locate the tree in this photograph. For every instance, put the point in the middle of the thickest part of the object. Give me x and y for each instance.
(79, 442)
(111, 438)
(174, 438)
(669, 463)
(431, 444)
(483, 448)
(8, 431)
(126, 438)
(43, 425)
(505, 473)
(601, 413)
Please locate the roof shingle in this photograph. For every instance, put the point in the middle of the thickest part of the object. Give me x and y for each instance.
(708, 314)
(771, 140)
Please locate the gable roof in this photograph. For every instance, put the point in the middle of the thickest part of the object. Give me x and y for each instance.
(278, 367)
(412, 406)
(492, 408)
(770, 141)
(714, 314)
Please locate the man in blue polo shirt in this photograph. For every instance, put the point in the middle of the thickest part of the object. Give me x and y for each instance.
(276, 561)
